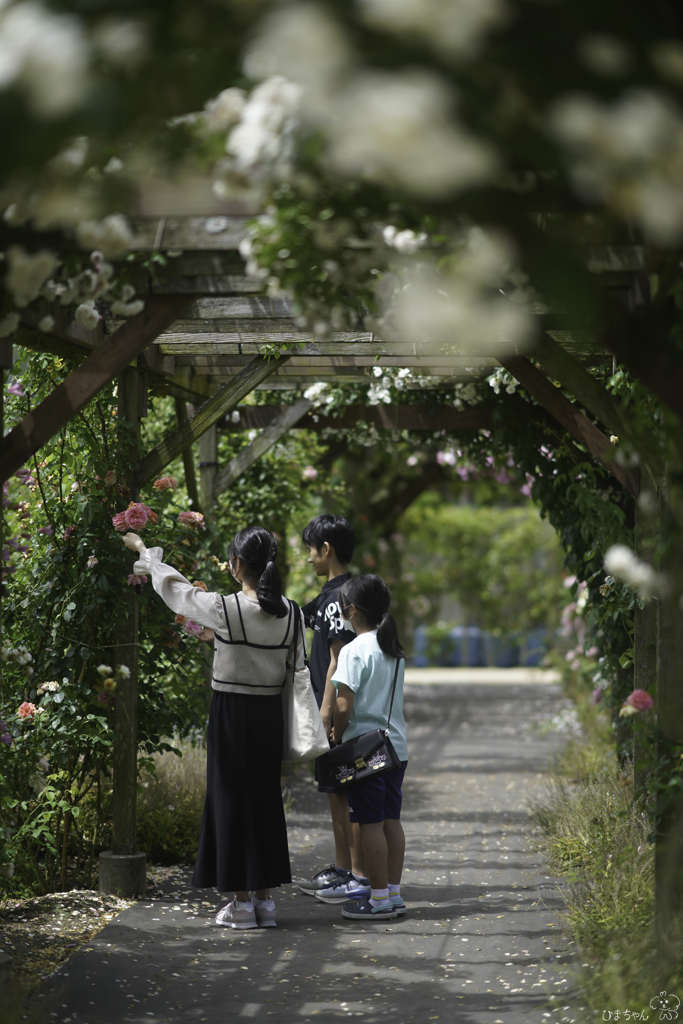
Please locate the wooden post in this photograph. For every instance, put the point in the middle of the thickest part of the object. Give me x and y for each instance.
(669, 844)
(645, 619)
(188, 460)
(208, 466)
(123, 869)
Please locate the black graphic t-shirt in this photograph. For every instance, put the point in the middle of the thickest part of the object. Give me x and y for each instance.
(324, 616)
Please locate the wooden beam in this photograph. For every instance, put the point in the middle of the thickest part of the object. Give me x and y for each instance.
(73, 394)
(224, 400)
(558, 363)
(181, 382)
(279, 426)
(383, 417)
(571, 418)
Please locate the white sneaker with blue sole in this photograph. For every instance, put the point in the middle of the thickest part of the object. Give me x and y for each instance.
(345, 891)
(325, 879)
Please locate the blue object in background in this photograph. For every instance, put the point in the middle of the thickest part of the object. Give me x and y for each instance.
(469, 646)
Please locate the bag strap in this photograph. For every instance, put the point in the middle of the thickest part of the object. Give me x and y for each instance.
(393, 694)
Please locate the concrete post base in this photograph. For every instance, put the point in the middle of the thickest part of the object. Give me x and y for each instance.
(123, 874)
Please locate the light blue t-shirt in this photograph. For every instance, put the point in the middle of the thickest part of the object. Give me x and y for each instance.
(365, 669)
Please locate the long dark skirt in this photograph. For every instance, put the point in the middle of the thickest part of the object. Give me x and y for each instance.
(243, 843)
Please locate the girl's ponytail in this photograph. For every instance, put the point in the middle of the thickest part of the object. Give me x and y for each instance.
(269, 590)
(370, 595)
(387, 637)
(257, 548)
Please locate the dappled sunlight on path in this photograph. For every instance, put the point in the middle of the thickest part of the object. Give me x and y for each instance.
(481, 943)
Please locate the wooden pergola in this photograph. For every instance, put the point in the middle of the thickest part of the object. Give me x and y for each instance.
(200, 339)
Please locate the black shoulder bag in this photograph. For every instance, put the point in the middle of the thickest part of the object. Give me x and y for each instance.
(365, 756)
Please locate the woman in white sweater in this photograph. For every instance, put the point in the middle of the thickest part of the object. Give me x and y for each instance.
(258, 637)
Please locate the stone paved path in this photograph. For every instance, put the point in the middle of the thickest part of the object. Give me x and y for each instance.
(481, 944)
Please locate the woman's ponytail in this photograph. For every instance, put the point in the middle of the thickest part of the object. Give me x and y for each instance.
(257, 548)
(387, 637)
(370, 596)
(269, 590)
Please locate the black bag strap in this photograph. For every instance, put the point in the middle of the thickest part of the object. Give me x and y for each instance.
(393, 694)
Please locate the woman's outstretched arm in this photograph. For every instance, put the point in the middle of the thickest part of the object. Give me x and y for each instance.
(172, 587)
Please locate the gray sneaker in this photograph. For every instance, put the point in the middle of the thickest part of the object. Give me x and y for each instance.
(234, 917)
(325, 879)
(265, 913)
(344, 892)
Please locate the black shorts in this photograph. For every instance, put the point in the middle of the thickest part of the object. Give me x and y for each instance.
(377, 799)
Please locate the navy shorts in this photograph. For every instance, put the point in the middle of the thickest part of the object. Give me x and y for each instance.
(376, 799)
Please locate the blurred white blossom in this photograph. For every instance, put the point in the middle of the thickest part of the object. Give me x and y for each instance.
(623, 563)
(27, 273)
(46, 55)
(9, 324)
(453, 27)
(667, 58)
(87, 315)
(223, 111)
(123, 42)
(112, 236)
(261, 144)
(400, 128)
(302, 43)
(462, 305)
(605, 55)
(628, 154)
(121, 308)
(406, 242)
(46, 323)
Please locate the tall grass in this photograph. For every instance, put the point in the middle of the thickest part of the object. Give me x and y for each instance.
(171, 803)
(596, 835)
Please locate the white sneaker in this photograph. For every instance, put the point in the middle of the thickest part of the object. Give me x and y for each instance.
(265, 913)
(237, 915)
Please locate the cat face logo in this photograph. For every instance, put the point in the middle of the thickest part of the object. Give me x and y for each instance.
(667, 1005)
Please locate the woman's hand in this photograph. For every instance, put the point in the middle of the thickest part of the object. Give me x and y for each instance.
(206, 634)
(133, 542)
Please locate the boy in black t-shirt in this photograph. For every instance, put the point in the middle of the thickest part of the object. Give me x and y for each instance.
(329, 540)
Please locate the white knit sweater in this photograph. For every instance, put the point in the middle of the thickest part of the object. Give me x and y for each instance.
(252, 650)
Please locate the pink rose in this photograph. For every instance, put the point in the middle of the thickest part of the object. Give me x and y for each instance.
(136, 517)
(136, 581)
(195, 520)
(640, 700)
(165, 483)
(152, 517)
(191, 627)
(180, 619)
(26, 710)
(110, 478)
(309, 473)
(119, 522)
(92, 562)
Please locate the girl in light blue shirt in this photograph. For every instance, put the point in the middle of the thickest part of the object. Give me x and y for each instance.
(364, 679)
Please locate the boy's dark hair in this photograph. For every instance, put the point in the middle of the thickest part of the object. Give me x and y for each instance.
(370, 595)
(336, 530)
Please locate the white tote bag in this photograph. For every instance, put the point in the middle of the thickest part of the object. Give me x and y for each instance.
(304, 735)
